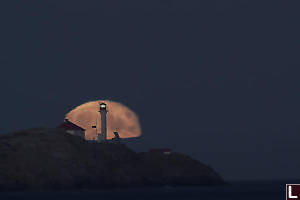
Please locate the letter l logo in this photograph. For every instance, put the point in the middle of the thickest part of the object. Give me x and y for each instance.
(290, 193)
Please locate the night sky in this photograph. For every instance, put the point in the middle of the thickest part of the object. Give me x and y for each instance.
(215, 79)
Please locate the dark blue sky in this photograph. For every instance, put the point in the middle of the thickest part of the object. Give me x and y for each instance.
(216, 79)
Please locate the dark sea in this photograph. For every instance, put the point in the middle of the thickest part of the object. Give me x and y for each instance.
(254, 190)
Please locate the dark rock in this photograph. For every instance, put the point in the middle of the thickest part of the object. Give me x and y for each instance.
(53, 159)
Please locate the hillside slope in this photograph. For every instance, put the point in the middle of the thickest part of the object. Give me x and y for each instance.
(53, 159)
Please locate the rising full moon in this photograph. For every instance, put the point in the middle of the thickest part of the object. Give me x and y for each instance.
(119, 118)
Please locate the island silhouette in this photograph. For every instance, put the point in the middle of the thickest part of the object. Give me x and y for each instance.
(51, 158)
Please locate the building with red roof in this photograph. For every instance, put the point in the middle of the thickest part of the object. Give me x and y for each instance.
(72, 128)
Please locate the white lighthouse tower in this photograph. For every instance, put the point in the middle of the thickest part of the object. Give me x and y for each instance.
(103, 136)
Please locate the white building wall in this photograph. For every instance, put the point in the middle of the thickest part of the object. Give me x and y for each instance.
(76, 132)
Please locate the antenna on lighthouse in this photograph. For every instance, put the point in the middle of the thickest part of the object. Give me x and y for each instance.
(96, 126)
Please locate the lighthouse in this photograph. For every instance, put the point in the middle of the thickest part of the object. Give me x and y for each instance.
(103, 136)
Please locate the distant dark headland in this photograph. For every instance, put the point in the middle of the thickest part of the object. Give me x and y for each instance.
(54, 159)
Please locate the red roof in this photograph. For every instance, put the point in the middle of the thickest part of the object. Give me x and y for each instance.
(67, 125)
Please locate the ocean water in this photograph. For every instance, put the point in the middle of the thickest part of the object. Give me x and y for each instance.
(254, 190)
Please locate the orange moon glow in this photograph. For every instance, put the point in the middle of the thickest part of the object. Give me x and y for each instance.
(119, 118)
